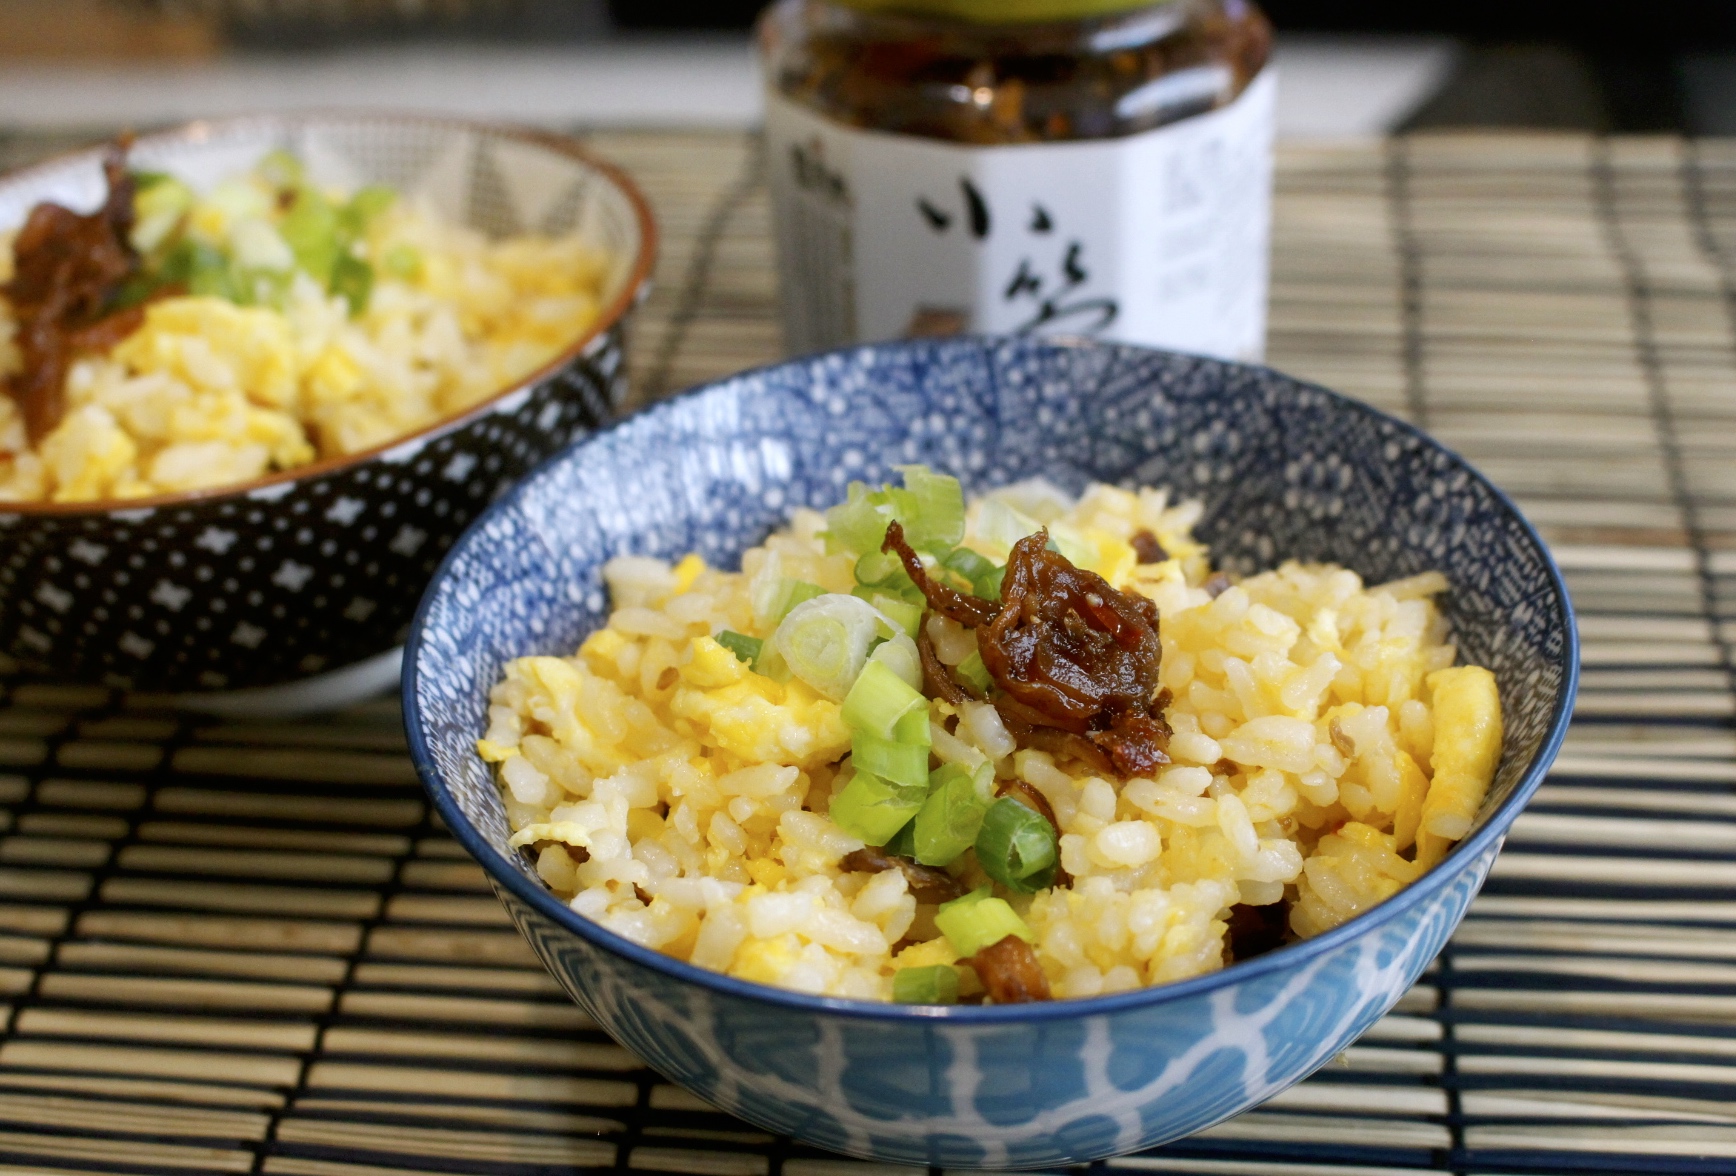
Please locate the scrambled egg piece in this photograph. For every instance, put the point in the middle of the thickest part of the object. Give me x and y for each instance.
(754, 718)
(215, 347)
(1467, 716)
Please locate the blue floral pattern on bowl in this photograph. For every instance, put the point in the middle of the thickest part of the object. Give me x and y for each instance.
(1285, 469)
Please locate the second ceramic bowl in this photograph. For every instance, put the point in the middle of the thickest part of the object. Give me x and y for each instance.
(319, 568)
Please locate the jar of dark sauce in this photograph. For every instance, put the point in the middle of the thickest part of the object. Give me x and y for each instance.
(1082, 167)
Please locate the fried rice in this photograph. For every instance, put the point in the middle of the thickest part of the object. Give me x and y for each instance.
(210, 391)
(1326, 750)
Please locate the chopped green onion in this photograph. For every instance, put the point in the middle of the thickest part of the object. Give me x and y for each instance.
(979, 920)
(262, 287)
(771, 663)
(951, 817)
(913, 727)
(901, 656)
(936, 985)
(745, 648)
(149, 232)
(238, 198)
(930, 505)
(903, 842)
(988, 586)
(310, 229)
(354, 217)
(984, 575)
(967, 563)
(902, 613)
(935, 521)
(767, 588)
(353, 281)
(825, 643)
(159, 204)
(858, 524)
(901, 763)
(775, 599)
(402, 261)
(256, 245)
(879, 699)
(206, 272)
(877, 567)
(972, 670)
(280, 169)
(1016, 847)
(899, 587)
(884, 571)
(371, 201)
(875, 809)
(1072, 543)
(999, 526)
(177, 264)
(800, 593)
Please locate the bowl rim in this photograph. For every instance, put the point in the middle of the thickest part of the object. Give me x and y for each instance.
(633, 288)
(543, 901)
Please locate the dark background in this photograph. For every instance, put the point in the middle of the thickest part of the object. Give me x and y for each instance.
(1614, 65)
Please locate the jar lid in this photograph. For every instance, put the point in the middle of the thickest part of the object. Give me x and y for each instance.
(1001, 11)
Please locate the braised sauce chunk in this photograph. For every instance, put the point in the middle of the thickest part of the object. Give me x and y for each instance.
(970, 611)
(937, 680)
(927, 883)
(67, 269)
(1011, 973)
(1065, 650)
(1147, 548)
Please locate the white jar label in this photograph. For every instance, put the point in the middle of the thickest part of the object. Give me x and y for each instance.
(1157, 238)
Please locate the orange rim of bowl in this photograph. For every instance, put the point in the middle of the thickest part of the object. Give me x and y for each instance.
(630, 293)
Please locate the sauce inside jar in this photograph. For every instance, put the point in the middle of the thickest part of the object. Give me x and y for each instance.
(1117, 73)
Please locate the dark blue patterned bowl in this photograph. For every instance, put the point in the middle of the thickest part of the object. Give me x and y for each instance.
(1285, 469)
(314, 571)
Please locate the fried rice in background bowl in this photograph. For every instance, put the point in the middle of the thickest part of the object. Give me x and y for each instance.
(1284, 470)
(310, 572)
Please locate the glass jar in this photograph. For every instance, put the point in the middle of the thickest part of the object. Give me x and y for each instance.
(1012, 166)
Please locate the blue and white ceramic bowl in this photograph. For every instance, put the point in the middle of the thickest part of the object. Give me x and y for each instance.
(1285, 469)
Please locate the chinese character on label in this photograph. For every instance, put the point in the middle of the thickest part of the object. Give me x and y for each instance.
(1157, 238)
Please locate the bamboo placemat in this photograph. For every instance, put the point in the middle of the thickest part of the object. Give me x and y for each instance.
(249, 948)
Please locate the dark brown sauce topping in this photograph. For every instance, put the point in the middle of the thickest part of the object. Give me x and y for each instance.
(927, 883)
(1026, 726)
(1256, 930)
(1065, 650)
(937, 680)
(67, 269)
(972, 612)
(1020, 82)
(1068, 645)
(1147, 548)
(1011, 973)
